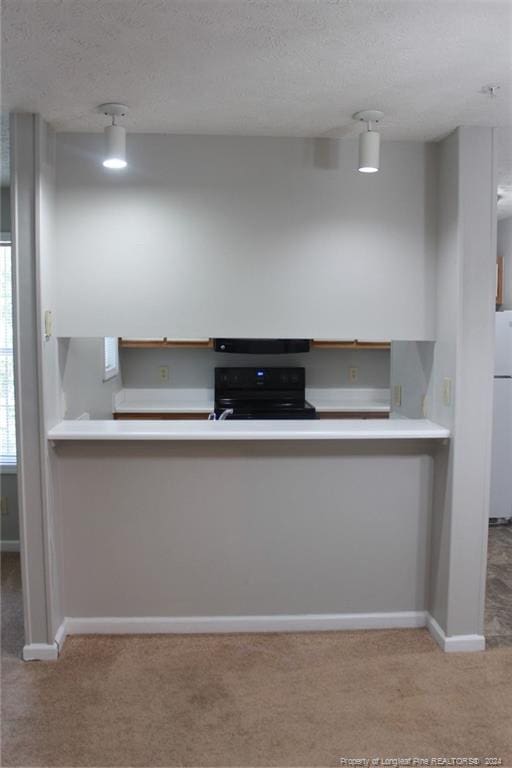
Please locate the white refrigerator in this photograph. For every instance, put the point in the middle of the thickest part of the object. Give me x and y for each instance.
(501, 473)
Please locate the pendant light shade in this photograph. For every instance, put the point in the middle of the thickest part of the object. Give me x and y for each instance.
(369, 152)
(369, 141)
(115, 136)
(115, 150)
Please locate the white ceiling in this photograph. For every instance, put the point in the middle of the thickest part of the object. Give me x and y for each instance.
(274, 67)
(260, 67)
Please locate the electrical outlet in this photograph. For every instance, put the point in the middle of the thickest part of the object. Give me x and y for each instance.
(163, 372)
(397, 395)
(447, 392)
(3, 505)
(352, 375)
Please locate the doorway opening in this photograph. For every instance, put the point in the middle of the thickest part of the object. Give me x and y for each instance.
(498, 607)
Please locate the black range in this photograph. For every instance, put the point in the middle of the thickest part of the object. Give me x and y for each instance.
(262, 393)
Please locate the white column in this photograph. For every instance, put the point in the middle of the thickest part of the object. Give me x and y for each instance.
(32, 212)
(464, 355)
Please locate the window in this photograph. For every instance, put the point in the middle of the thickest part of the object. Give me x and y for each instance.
(111, 358)
(7, 402)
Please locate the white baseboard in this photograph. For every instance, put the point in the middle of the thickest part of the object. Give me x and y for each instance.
(60, 635)
(41, 652)
(9, 546)
(152, 625)
(46, 651)
(118, 625)
(454, 643)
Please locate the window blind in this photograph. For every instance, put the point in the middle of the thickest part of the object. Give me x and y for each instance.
(7, 402)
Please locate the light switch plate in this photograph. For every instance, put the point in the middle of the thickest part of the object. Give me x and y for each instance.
(3, 506)
(48, 324)
(447, 392)
(397, 395)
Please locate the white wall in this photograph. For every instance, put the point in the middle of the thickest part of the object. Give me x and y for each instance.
(195, 368)
(212, 236)
(81, 363)
(505, 250)
(412, 364)
(209, 529)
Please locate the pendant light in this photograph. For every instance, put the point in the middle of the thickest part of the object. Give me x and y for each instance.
(369, 141)
(115, 137)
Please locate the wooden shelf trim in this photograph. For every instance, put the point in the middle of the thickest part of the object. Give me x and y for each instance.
(166, 343)
(500, 263)
(355, 344)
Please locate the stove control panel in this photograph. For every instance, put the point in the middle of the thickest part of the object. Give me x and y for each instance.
(267, 379)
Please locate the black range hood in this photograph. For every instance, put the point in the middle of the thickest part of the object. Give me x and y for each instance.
(261, 346)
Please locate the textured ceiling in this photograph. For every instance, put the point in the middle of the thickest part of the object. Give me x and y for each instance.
(274, 67)
(260, 67)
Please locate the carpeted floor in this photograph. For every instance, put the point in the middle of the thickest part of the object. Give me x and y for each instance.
(498, 604)
(249, 700)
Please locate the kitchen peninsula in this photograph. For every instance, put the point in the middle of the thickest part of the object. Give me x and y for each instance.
(236, 526)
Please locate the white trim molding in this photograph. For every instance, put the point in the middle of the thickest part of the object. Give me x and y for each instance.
(118, 625)
(46, 651)
(60, 635)
(454, 643)
(7, 545)
(322, 622)
(41, 652)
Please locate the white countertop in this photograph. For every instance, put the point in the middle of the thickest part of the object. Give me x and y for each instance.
(201, 400)
(349, 399)
(163, 401)
(324, 429)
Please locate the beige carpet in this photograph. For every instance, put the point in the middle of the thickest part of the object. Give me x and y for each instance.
(240, 700)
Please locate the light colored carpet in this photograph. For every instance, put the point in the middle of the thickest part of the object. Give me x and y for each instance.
(255, 700)
(498, 603)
